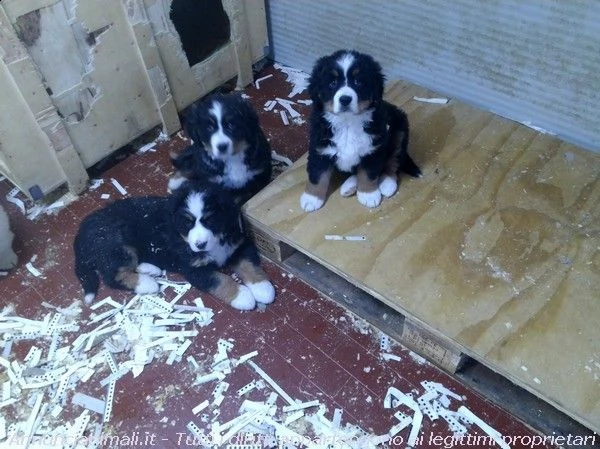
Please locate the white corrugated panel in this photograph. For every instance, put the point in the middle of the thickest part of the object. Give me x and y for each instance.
(534, 61)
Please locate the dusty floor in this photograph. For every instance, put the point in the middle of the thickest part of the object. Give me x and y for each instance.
(313, 348)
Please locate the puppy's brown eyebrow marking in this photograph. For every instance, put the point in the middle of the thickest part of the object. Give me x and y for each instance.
(356, 71)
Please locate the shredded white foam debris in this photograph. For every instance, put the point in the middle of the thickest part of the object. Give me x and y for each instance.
(537, 128)
(95, 183)
(305, 102)
(148, 147)
(126, 337)
(297, 78)
(287, 105)
(11, 197)
(105, 196)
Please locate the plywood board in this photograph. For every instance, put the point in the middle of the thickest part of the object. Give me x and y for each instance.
(496, 248)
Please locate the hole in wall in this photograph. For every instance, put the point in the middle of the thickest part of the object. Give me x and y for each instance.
(202, 25)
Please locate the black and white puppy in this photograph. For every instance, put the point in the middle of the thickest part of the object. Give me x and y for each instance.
(195, 232)
(229, 147)
(354, 130)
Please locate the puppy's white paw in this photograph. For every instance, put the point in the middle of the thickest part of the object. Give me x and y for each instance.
(263, 291)
(148, 268)
(369, 199)
(310, 202)
(388, 186)
(348, 188)
(175, 182)
(146, 285)
(244, 299)
(88, 298)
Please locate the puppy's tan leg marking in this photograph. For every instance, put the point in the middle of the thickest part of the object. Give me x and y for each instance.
(236, 295)
(254, 277)
(249, 273)
(314, 195)
(364, 183)
(368, 189)
(140, 283)
(320, 188)
(127, 277)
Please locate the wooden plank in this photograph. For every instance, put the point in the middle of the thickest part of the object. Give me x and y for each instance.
(495, 249)
(441, 352)
(269, 245)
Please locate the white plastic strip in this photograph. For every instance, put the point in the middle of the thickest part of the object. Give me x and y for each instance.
(200, 407)
(352, 238)
(286, 397)
(284, 118)
(110, 394)
(431, 100)
(259, 80)
(491, 432)
(118, 186)
(89, 403)
(300, 406)
(287, 104)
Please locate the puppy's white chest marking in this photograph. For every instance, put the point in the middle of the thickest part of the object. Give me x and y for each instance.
(350, 142)
(236, 173)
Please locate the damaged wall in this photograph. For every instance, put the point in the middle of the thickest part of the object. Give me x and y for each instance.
(108, 72)
(534, 61)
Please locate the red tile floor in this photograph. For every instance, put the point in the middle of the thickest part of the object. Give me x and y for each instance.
(312, 347)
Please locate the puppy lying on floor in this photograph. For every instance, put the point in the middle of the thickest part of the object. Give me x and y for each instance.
(229, 149)
(195, 232)
(354, 130)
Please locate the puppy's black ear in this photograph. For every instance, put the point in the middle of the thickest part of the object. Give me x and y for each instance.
(378, 80)
(191, 121)
(316, 77)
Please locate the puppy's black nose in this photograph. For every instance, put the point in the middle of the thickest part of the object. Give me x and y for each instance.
(222, 147)
(345, 100)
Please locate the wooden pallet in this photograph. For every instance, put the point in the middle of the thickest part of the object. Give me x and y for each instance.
(494, 253)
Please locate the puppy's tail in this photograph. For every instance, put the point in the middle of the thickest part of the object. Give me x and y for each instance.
(90, 281)
(409, 167)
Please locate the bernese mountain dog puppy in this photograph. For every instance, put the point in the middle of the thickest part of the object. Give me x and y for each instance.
(354, 130)
(229, 147)
(196, 231)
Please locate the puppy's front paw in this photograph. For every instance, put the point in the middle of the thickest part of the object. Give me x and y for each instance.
(149, 269)
(369, 199)
(388, 186)
(310, 202)
(348, 188)
(88, 298)
(146, 285)
(244, 299)
(175, 182)
(263, 291)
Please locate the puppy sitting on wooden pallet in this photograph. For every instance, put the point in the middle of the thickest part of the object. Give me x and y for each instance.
(195, 232)
(354, 130)
(229, 147)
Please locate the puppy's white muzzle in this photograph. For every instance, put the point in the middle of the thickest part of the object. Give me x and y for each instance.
(345, 100)
(221, 145)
